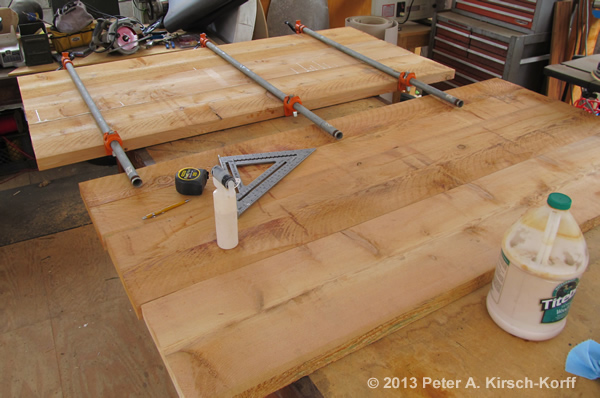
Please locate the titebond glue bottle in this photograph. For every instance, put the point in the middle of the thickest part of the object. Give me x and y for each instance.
(543, 256)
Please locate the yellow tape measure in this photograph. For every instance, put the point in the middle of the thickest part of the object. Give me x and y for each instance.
(191, 181)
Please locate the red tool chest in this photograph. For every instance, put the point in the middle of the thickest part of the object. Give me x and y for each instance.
(478, 51)
(526, 16)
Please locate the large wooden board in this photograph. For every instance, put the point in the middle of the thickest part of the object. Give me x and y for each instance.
(200, 143)
(461, 342)
(402, 216)
(165, 97)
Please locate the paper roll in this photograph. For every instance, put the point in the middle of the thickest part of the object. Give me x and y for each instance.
(382, 28)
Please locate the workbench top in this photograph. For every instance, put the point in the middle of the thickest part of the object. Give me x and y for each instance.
(402, 216)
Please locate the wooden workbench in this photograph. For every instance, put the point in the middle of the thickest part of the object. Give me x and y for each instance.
(401, 217)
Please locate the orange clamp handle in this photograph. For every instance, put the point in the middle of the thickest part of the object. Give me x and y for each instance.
(404, 80)
(110, 137)
(288, 104)
(299, 27)
(65, 60)
(203, 39)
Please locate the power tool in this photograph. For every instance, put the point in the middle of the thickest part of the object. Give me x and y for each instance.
(117, 34)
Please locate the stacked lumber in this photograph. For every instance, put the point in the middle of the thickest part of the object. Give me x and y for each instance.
(166, 97)
(402, 216)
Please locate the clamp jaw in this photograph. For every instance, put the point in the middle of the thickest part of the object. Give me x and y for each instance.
(203, 40)
(288, 105)
(297, 28)
(404, 80)
(66, 59)
(108, 139)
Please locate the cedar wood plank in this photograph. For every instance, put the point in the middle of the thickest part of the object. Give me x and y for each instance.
(456, 342)
(151, 100)
(330, 297)
(369, 177)
(511, 147)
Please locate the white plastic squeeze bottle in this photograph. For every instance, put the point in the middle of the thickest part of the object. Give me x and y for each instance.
(225, 203)
(543, 256)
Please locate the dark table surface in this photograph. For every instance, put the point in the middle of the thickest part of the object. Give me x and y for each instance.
(577, 71)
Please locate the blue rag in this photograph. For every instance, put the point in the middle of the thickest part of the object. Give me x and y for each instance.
(584, 360)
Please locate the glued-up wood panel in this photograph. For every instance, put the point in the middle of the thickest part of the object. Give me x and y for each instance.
(166, 97)
(402, 216)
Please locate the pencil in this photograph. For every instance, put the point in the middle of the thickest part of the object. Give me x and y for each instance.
(166, 209)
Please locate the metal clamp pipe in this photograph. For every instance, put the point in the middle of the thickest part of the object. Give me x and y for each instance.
(125, 163)
(117, 150)
(378, 65)
(275, 91)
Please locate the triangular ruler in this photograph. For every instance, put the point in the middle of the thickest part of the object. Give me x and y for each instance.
(283, 163)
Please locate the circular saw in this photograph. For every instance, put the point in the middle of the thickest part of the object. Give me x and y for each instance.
(121, 35)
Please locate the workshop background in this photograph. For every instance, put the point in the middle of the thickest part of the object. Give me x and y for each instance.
(126, 8)
(67, 327)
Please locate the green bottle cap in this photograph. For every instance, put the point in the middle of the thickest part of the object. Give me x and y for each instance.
(559, 201)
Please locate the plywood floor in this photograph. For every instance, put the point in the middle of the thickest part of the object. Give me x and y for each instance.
(66, 326)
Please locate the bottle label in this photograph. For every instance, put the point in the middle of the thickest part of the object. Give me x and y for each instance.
(557, 307)
(499, 276)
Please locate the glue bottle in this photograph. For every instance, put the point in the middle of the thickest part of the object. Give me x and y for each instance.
(224, 198)
(542, 258)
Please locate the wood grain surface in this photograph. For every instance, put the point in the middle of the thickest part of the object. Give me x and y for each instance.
(67, 328)
(558, 45)
(204, 142)
(461, 342)
(401, 217)
(165, 97)
(42, 378)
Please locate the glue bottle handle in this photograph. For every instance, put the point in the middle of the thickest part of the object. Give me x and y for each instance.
(549, 236)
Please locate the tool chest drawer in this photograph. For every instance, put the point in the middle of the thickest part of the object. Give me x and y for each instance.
(488, 44)
(527, 16)
(479, 51)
